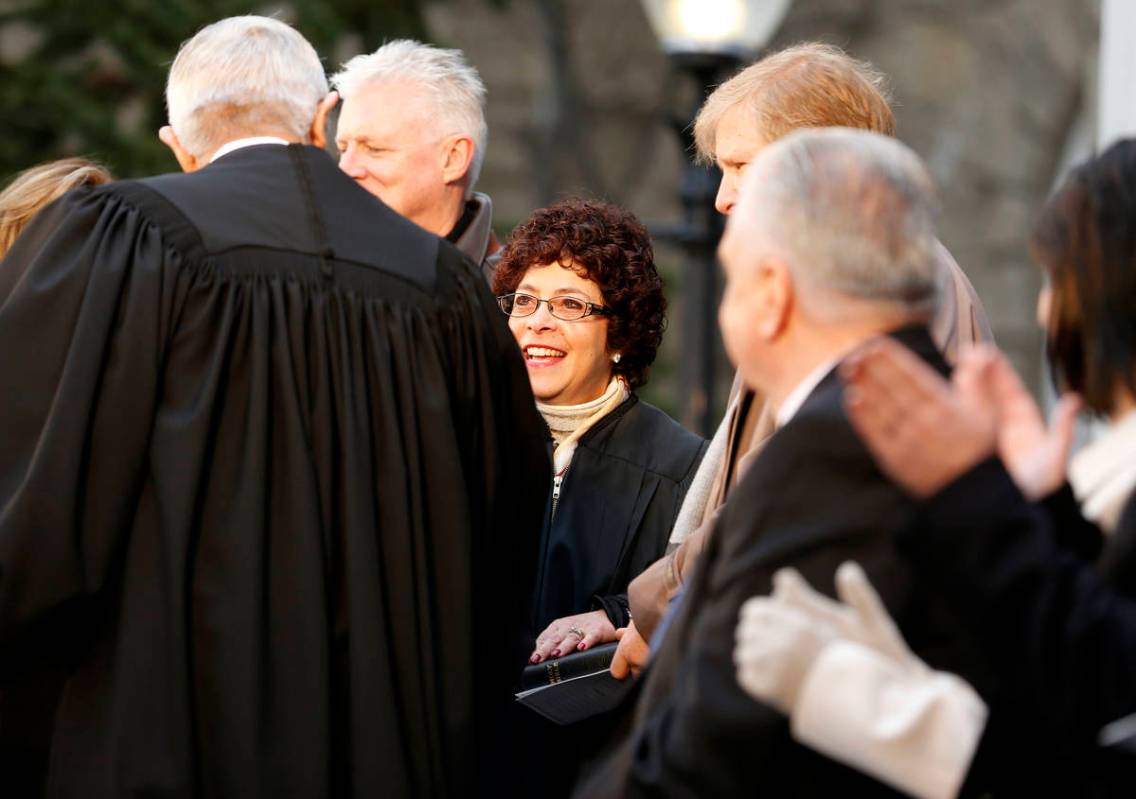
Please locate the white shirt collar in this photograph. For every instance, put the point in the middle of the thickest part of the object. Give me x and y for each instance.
(1103, 473)
(796, 398)
(250, 141)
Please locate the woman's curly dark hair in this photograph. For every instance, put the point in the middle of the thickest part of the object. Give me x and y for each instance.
(610, 247)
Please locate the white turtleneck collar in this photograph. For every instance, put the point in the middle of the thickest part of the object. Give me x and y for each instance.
(1103, 474)
(568, 422)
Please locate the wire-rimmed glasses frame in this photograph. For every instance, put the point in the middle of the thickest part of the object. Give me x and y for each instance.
(566, 308)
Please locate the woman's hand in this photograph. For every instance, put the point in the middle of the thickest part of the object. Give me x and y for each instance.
(923, 432)
(572, 634)
(1034, 454)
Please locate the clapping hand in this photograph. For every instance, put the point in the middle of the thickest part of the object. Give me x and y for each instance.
(925, 432)
(1034, 455)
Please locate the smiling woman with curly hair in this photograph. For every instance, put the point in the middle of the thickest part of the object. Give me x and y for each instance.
(608, 247)
(585, 303)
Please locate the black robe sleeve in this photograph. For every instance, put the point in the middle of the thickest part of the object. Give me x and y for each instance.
(506, 466)
(80, 351)
(1072, 529)
(648, 550)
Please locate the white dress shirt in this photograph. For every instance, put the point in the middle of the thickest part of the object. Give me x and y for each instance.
(796, 398)
(249, 141)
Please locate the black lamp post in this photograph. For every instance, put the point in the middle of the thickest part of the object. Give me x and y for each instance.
(706, 40)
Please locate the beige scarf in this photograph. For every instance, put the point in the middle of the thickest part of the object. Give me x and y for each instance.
(569, 422)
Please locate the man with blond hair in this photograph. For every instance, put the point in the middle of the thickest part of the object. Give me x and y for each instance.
(412, 132)
(806, 86)
(832, 242)
(270, 465)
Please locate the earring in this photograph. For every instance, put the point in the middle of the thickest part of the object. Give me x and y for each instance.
(615, 358)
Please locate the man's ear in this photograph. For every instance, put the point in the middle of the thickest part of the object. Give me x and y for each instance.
(187, 162)
(778, 296)
(458, 154)
(318, 132)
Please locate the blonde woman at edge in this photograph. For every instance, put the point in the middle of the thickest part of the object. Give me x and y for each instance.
(39, 185)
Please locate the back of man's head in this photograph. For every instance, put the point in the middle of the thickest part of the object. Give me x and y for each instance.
(243, 76)
(852, 214)
(809, 85)
(451, 86)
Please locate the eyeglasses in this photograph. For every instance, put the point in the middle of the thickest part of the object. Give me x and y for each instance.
(568, 309)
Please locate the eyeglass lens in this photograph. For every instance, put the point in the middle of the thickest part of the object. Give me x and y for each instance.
(566, 308)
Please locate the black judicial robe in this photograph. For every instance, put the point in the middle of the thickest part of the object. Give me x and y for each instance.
(618, 504)
(269, 472)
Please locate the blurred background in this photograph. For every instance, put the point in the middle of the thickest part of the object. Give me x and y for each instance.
(999, 96)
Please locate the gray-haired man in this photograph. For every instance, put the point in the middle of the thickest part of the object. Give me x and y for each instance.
(412, 132)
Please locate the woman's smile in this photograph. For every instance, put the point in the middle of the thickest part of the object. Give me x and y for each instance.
(540, 356)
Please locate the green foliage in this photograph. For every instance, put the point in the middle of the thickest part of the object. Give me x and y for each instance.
(87, 78)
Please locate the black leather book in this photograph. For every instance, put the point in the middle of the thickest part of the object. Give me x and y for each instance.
(574, 687)
(577, 664)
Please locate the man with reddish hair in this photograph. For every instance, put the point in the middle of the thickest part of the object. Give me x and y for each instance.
(809, 85)
(832, 243)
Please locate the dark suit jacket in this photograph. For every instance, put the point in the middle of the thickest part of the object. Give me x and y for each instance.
(812, 500)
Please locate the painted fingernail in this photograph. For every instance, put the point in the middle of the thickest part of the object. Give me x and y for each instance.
(534, 659)
(581, 645)
(556, 653)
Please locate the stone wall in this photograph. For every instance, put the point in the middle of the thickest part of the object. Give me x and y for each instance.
(986, 90)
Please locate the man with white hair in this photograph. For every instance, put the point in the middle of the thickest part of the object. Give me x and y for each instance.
(270, 465)
(832, 243)
(412, 132)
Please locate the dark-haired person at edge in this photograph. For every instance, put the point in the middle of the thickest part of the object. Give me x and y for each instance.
(999, 534)
(1020, 570)
(586, 305)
